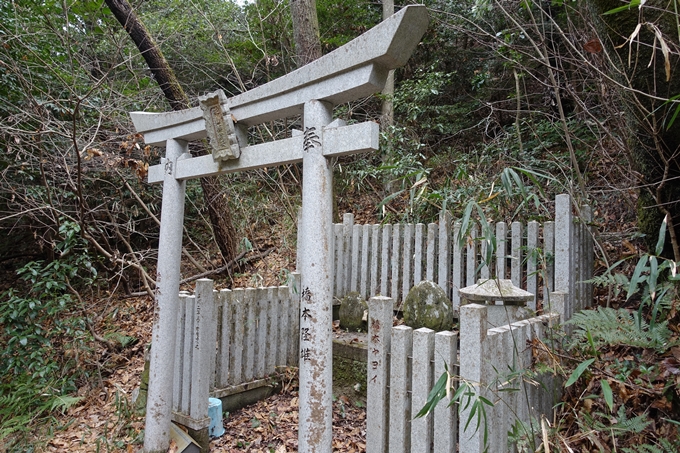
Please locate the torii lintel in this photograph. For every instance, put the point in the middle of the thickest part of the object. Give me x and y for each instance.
(357, 69)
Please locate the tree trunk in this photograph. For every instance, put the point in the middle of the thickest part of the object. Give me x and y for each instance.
(216, 202)
(305, 31)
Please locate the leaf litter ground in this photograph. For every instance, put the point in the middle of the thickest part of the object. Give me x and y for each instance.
(271, 425)
(105, 420)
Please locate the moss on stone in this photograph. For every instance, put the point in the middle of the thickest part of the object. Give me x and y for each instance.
(347, 374)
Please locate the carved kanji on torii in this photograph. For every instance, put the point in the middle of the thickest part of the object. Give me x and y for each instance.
(357, 69)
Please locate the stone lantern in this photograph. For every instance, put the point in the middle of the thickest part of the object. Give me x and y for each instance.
(506, 302)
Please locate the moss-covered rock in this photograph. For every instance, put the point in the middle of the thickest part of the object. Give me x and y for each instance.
(427, 306)
(352, 310)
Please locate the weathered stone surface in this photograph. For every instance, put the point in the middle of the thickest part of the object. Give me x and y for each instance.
(488, 290)
(352, 312)
(427, 306)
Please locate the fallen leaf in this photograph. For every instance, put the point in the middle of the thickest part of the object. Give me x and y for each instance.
(593, 46)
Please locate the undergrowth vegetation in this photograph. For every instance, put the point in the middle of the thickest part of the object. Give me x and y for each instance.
(45, 336)
(498, 110)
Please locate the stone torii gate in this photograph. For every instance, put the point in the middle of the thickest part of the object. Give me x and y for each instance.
(355, 70)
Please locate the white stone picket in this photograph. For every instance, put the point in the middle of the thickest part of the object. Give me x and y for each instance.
(457, 267)
(395, 262)
(445, 416)
(401, 352)
(356, 251)
(385, 260)
(187, 353)
(237, 346)
(432, 230)
(375, 250)
(284, 325)
(347, 224)
(549, 257)
(444, 252)
(365, 270)
(339, 259)
(422, 370)
(250, 335)
(272, 316)
(501, 250)
(471, 257)
(485, 271)
(293, 338)
(179, 352)
(532, 258)
(407, 279)
(261, 335)
(516, 254)
(224, 333)
(564, 250)
(418, 253)
(203, 336)
(377, 404)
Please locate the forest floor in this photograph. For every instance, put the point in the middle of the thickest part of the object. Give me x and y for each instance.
(105, 419)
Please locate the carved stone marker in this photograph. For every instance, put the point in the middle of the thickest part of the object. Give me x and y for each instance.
(219, 126)
(357, 69)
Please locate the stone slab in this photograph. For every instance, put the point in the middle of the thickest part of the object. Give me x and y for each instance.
(340, 141)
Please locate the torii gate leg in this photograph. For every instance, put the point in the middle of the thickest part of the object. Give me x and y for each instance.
(159, 401)
(316, 306)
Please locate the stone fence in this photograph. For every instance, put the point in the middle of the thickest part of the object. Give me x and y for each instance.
(389, 260)
(230, 341)
(404, 364)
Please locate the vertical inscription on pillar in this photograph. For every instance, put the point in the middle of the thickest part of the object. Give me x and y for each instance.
(305, 329)
(375, 347)
(311, 139)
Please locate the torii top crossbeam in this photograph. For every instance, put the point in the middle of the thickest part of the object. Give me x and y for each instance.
(355, 70)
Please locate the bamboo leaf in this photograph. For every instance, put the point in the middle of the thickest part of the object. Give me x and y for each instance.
(637, 276)
(578, 372)
(664, 50)
(607, 393)
(662, 237)
(632, 4)
(437, 393)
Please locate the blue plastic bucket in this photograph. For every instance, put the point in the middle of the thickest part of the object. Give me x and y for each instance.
(215, 413)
